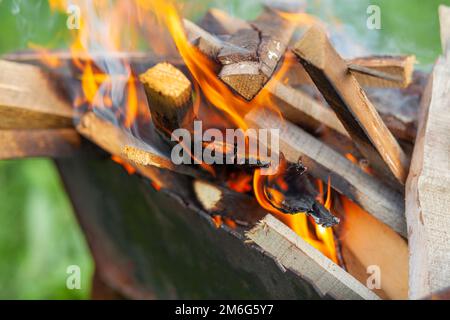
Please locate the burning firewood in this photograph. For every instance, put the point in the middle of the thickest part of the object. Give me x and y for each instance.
(117, 141)
(54, 143)
(253, 54)
(169, 95)
(290, 191)
(323, 162)
(427, 190)
(398, 113)
(222, 201)
(342, 91)
(294, 254)
(28, 99)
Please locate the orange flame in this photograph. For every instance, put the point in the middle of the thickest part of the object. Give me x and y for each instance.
(128, 167)
(322, 239)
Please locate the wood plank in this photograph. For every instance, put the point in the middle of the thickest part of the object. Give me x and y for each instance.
(54, 143)
(428, 193)
(360, 118)
(29, 99)
(296, 255)
(323, 162)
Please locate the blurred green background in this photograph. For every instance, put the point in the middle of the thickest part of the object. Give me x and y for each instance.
(39, 236)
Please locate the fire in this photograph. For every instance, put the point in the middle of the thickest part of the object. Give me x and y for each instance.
(129, 168)
(98, 83)
(320, 238)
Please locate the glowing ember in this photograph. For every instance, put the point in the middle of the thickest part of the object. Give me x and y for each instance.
(129, 168)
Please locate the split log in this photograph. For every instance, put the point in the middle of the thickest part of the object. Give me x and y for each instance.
(360, 118)
(383, 71)
(296, 255)
(347, 178)
(169, 95)
(253, 54)
(427, 190)
(54, 143)
(29, 100)
(118, 142)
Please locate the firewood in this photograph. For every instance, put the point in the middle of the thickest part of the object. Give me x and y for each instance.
(299, 108)
(383, 71)
(54, 143)
(29, 100)
(342, 91)
(222, 201)
(427, 189)
(398, 113)
(118, 142)
(169, 95)
(347, 178)
(296, 255)
(359, 250)
(250, 60)
(373, 71)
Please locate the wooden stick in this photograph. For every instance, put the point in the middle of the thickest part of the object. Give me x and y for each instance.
(28, 99)
(54, 143)
(360, 118)
(347, 178)
(428, 192)
(169, 95)
(299, 108)
(297, 256)
(118, 142)
(383, 71)
(253, 54)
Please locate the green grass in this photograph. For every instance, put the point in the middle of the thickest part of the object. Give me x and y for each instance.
(39, 236)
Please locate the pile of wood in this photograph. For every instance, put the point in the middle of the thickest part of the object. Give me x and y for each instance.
(332, 108)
